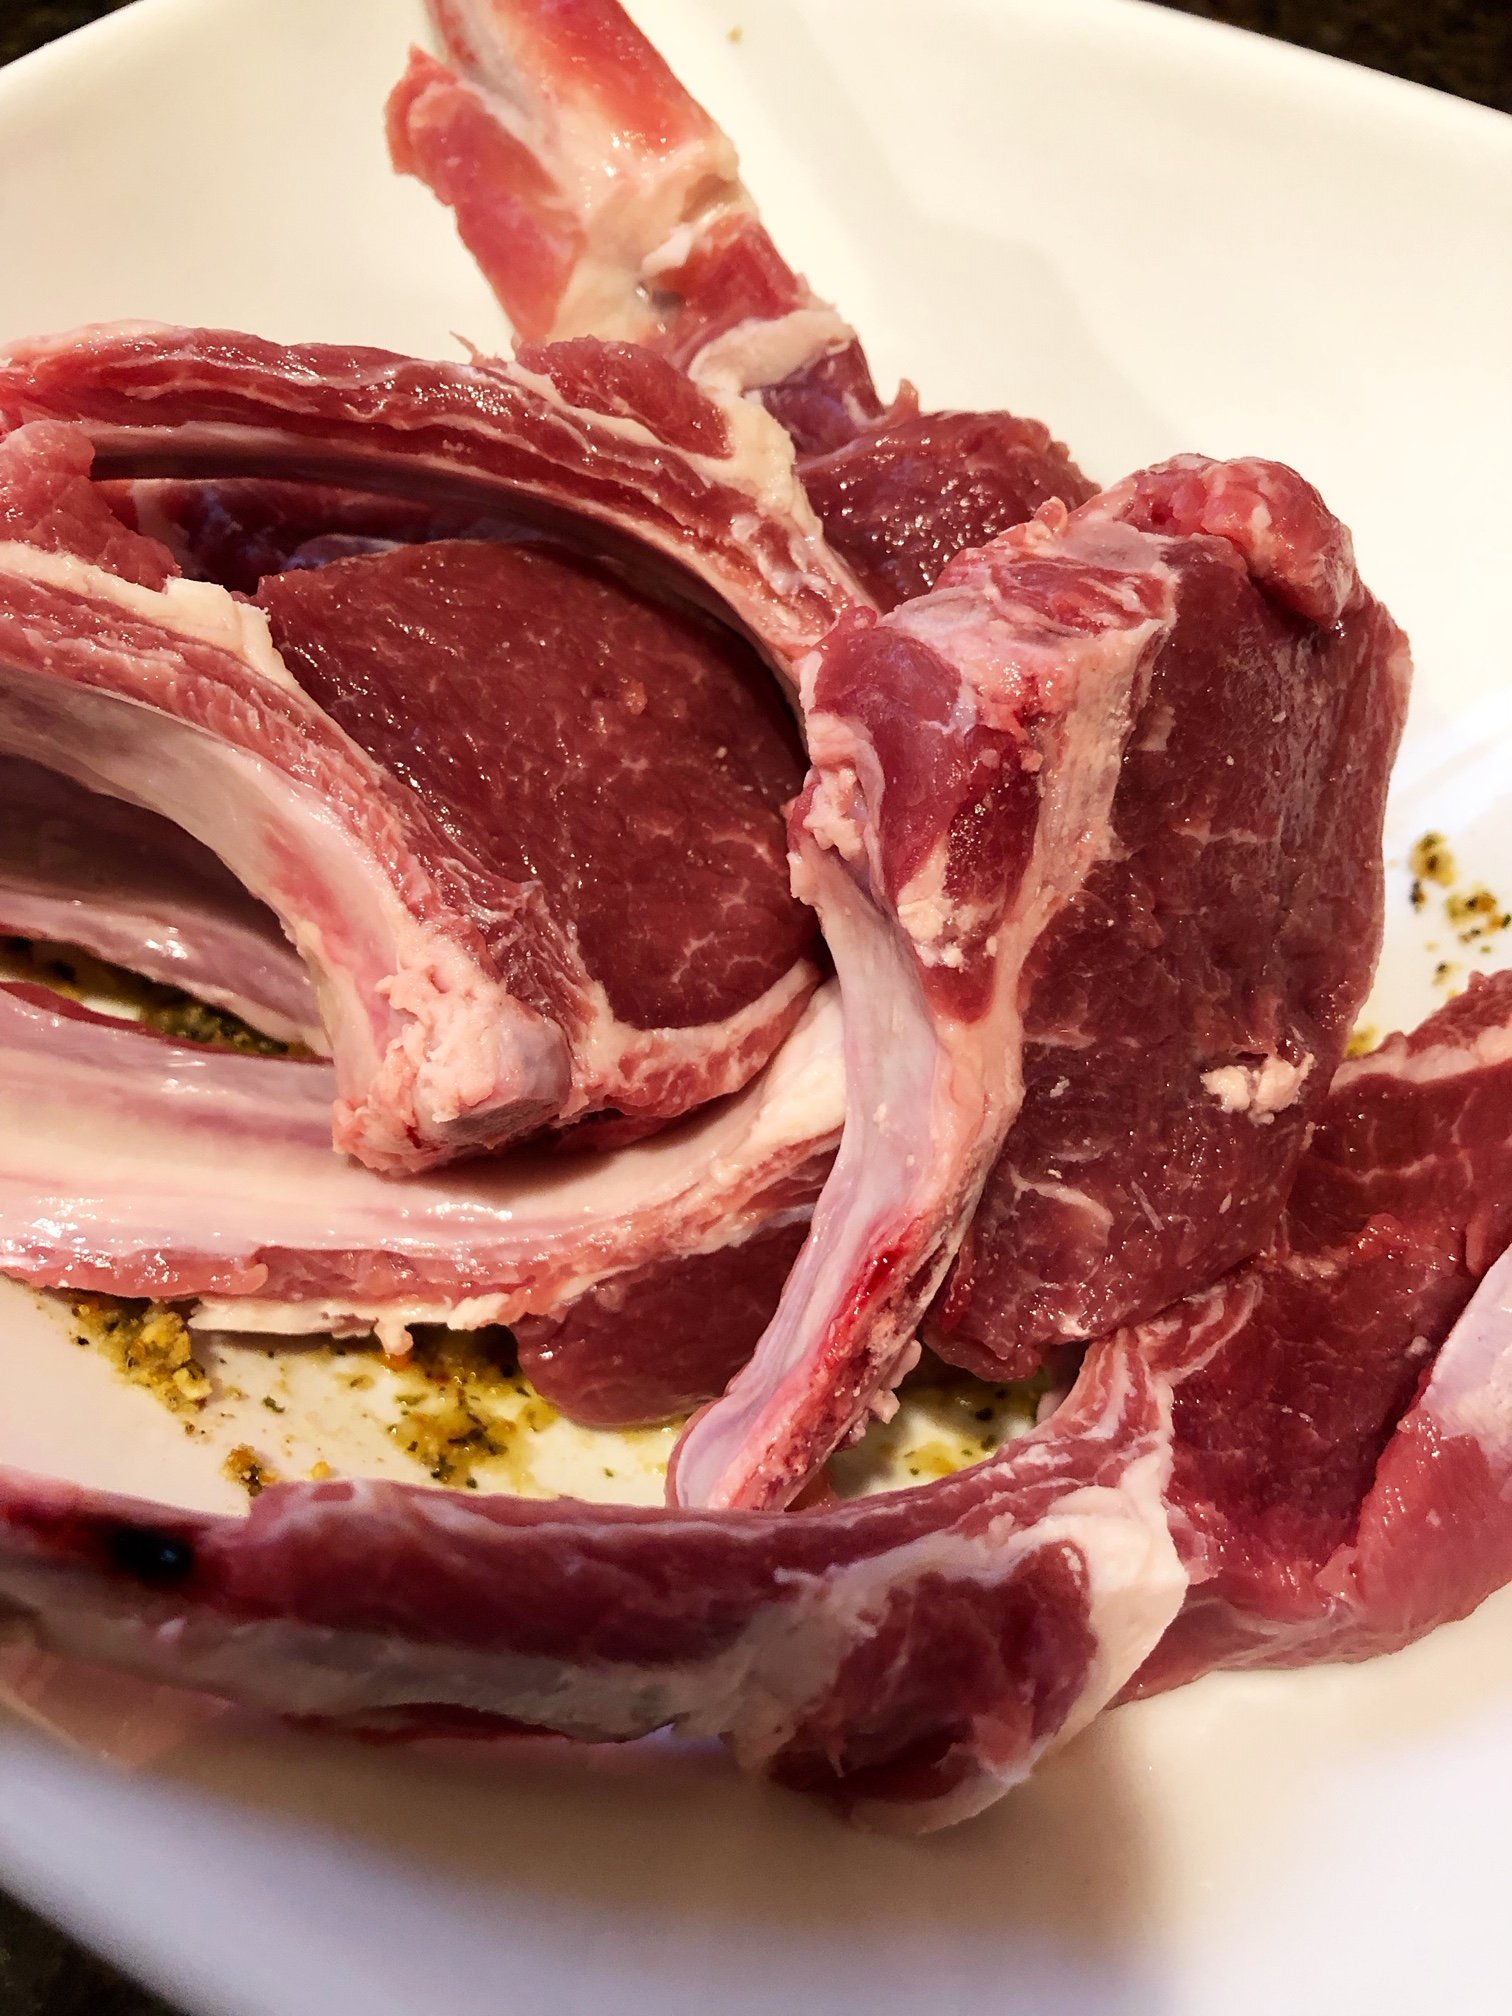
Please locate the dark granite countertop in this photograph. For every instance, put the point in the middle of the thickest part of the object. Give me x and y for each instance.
(1462, 46)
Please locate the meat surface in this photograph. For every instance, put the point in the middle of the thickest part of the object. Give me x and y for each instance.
(606, 438)
(600, 199)
(136, 1166)
(135, 890)
(909, 1656)
(1163, 1109)
(901, 500)
(653, 1343)
(619, 766)
(1116, 787)
(1342, 1484)
(454, 939)
(442, 661)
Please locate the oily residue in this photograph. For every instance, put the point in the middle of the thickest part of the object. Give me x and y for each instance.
(464, 1403)
(252, 1472)
(1471, 914)
(458, 1412)
(946, 1421)
(79, 977)
(148, 1343)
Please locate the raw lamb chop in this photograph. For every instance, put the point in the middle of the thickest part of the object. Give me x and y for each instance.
(137, 1166)
(628, 762)
(136, 891)
(912, 1655)
(1114, 791)
(603, 438)
(909, 1656)
(1342, 1484)
(600, 198)
(1159, 1128)
(456, 963)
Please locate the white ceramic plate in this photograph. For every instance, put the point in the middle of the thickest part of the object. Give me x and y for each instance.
(1159, 235)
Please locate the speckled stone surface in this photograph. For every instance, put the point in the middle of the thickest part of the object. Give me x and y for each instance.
(1462, 46)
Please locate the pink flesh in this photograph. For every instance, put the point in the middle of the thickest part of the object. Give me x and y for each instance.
(653, 1344)
(946, 892)
(505, 1030)
(897, 503)
(909, 1657)
(604, 437)
(600, 199)
(966, 750)
(629, 762)
(1248, 873)
(1342, 1484)
(131, 888)
(175, 701)
(136, 1166)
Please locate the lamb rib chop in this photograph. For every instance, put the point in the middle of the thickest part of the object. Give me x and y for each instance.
(1342, 1484)
(909, 1656)
(600, 199)
(912, 1655)
(1079, 1229)
(138, 1166)
(1094, 834)
(470, 982)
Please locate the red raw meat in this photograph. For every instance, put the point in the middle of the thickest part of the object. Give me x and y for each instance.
(461, 1011)
(616, 765)
(237, 530)
(1343, 1484)
(1157, 1138)
(912, 1655)
(899, 502)
(909, 1656)
(133, 889)
(653, 1344)
(607, 439)
(132, 1165)
(600, 199)
(1113, 790)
